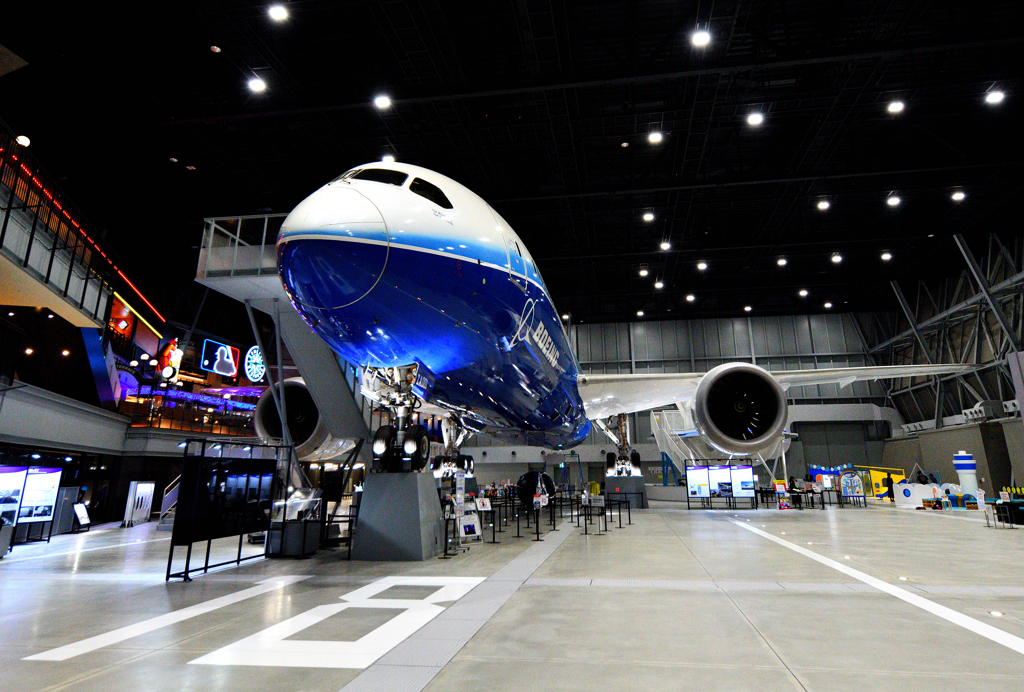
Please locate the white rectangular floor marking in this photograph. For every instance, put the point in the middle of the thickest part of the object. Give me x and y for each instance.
(997, 635)
(271, 647)
(119, 635)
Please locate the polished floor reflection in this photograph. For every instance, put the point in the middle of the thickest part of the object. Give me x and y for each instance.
(845, 599)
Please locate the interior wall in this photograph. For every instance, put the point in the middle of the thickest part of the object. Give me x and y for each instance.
(935, 450)
(1013, 433)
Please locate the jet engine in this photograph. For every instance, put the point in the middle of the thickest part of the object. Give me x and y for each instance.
(739, 408)
(309, 430)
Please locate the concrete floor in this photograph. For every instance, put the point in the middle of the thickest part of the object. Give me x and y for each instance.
(678, 601)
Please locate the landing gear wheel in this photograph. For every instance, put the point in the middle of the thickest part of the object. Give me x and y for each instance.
(384, 447)
(416, 446)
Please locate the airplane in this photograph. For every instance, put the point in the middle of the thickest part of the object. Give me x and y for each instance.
(420, 282)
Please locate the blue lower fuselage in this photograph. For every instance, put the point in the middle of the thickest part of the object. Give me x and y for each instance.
(492, 341)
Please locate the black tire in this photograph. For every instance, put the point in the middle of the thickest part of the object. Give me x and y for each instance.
(416, 446)
(384, 447)
(634, 458)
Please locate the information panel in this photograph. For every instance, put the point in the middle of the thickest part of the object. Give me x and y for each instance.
(41, 486)
(720, 481)
(697, 481)
(12, 482)
(742, 481)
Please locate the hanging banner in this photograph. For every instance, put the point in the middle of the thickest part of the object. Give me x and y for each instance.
(41, 485)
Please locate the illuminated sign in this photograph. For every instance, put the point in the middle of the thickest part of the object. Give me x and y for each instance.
(219, 358)
(254, 367)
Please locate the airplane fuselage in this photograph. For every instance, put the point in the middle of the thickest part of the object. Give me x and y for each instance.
(388, 277)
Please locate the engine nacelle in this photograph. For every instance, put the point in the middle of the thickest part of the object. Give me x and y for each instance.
(310, 434)
(739, 408)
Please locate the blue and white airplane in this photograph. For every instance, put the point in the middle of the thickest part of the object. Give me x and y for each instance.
(412, 276)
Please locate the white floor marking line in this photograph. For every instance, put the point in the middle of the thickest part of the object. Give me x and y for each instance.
(271, 647)
(997, 635)
(117, 636)
(10, 561)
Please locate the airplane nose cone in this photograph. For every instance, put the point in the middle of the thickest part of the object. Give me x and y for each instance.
(333, 248)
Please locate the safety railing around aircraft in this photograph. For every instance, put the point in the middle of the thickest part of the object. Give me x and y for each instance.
(239, 246)
(665, 425)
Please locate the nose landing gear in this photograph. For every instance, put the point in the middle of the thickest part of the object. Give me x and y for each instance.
(402, 446)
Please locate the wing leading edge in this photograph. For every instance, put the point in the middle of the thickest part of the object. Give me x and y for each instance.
(609, 395)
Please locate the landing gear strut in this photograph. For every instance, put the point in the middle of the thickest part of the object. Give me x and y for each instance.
(401, 446)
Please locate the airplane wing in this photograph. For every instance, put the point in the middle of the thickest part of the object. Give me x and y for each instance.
(609, 395)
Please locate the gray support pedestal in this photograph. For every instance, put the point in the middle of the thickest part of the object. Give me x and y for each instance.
(628, 484)
(399, 518)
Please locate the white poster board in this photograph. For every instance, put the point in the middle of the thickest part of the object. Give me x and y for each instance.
(41, 486)
(12, 482)
(140, 503)
(742, 481)
(468, 526)
(697, 481)
(483, 504)
(82, 514)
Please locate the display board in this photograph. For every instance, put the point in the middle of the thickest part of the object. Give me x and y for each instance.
(222, 497)
(743, 481)
(140, 503)
(720, 481)
(851, 485)
(40, 496)
(697, 481)
(82, 514)
(12, 483)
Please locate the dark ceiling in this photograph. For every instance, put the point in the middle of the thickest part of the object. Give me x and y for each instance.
(531, 104)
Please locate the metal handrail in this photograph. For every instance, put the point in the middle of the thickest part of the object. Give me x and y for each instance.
(165, 509)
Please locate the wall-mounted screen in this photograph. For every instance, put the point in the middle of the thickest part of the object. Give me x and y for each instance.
(742, 481)
(720, 481)
(697, 481)
(40, 496)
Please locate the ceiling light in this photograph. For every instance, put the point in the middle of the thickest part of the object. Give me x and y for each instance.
(644, 272)
(747, 308)
(639, 313)
(144, 356)
(624, 145)
(133, 364)
(755, 119)
(278, 13)
(995, 613)
(659, 284)
(823, 205)
(382, 102)
(565, 317)
(23, 140)
(388, 158)
(886, 256)
(958, 196)
(65, 352)
(666, 245)
(690, 297)
(992, 98)
(803, 292)
(782, 261)
(836, 258)
(49, 317)
(903, 578)
(257, 85)
(828, 306)
(67, 458)
(895, 107)
(174, 160)
(190, 168)
(700, 38)
(215, 49)
(655, 137)
(893, 201)
(702, 265)
(29, 351)
(648, 217)
(10, 314)
(846, 557)
(36, 456)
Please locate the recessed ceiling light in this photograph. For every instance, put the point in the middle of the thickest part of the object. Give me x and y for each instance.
(994, 97)
(702, 265)
(803, 292)
(382, 102)
(782, 261)
(10, 314)
(388, 158)
(257, 85)
(174, 160)
(995, 613)
(893, 200)
(67, 458)
(29, 351)
(747, 308)
(755, 119)
(639, 313)
(215, 49)
(823, 204)
(565, 317)
(624, 145)
(690, 298)
(190, 168)
(643, 272)
(22, 140)
(700, 38)
(655, 137)
(648, 217)
(278, 13)
(958, 196)
(828, 306)
(666, 245)
(846, 557)
(50, 316)
(895, 107)
(836, 258)
(65, 352)
(903, 578)
(659, 284)
(886, 256)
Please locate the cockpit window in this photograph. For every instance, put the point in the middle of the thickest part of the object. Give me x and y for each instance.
(381, 175)
(432, 192)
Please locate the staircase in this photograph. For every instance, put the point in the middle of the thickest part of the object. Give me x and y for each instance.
(666, 426)
(168, 505)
